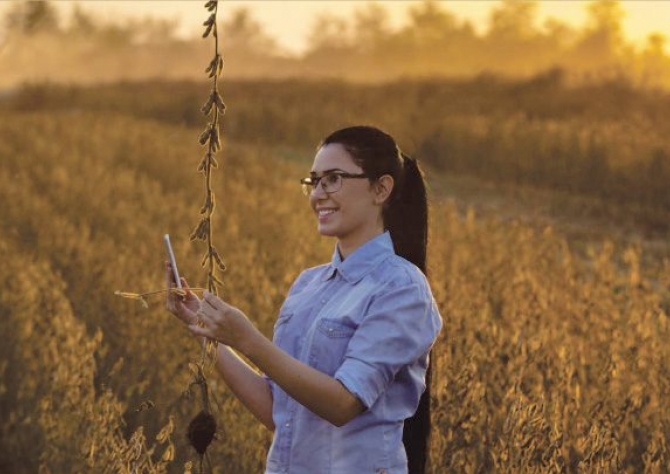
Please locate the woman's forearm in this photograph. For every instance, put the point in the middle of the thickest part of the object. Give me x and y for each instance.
(247, 385)
(320, 393)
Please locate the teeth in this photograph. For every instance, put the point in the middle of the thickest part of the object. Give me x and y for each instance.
(325, 212)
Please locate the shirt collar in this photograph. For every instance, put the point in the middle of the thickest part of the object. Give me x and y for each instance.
(362, 261)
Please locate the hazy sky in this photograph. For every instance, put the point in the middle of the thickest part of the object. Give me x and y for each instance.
(290, 21)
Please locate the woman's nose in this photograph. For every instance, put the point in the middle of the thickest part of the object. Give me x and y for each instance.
(318, 191)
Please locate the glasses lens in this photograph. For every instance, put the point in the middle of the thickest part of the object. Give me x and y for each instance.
(331, 182)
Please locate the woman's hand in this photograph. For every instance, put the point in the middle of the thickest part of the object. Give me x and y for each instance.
(223, 323)
(184, 307)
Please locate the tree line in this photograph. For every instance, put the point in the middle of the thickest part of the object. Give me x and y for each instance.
(432, 42)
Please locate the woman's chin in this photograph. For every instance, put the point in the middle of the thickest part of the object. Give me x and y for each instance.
(326, 230)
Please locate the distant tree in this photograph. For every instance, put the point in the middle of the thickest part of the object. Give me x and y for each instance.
(602, 41)
(151, 30)
(32, 17)
(560, 34)
(430, 24)
(329, 33)
(514, 42)
(242, 32)
(372, 27)
(81, 22)
(654, 63)
(435, 42)
(514, 21)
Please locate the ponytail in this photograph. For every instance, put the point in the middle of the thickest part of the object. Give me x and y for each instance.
(406, 218)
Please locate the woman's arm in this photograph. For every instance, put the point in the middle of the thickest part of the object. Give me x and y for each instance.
(320, 393)
(247, 385)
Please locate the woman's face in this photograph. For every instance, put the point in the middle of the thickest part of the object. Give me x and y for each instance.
(352, 214)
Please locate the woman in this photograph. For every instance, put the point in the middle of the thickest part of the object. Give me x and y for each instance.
(349, 357)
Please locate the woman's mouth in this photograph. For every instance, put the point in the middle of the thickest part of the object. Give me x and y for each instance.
(324, 214)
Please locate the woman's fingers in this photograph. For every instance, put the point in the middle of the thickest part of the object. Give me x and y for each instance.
(169, 300)
(169, 276)
(214, 302)
(199, 331)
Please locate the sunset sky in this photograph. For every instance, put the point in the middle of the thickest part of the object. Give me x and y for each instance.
(289, 22)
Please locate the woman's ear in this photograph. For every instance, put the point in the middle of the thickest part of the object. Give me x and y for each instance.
(383, 188)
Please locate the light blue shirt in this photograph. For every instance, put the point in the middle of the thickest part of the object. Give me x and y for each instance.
(369, 321)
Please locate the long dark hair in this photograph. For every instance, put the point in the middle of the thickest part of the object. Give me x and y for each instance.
(405, 216)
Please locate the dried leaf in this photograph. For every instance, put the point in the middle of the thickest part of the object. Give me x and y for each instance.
(204, 136)
(194, 368)
(168, 454)
(216, 280)
(206, 109)
(166, 431)
(145, 405)
(219, 262)
(207, 31)
(201, 231)
(211, 5)
(208, 206)
(219, 103)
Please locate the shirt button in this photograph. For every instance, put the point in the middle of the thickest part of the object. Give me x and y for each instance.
(287, 424)
(323, 301)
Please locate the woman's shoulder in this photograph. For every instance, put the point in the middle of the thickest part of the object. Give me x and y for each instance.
(397, 271)
(308, 275)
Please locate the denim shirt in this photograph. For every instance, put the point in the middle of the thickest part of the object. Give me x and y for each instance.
(369, 321)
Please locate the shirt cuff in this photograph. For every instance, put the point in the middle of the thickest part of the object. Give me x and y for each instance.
(362, 380)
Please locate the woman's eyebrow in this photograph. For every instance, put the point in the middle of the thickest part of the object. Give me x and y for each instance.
(314, 173)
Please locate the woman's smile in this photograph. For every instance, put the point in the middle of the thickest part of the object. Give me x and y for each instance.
(325, 213)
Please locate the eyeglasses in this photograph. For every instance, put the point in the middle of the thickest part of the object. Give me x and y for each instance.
(330, 182)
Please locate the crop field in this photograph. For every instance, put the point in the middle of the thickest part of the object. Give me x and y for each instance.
(554, 353)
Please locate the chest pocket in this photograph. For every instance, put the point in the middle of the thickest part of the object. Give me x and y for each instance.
(329, 345)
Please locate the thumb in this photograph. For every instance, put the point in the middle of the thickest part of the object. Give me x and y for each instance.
(185, 286)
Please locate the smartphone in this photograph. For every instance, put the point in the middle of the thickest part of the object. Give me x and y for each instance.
(173, 262)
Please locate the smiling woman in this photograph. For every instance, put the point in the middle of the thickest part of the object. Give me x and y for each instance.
(346, 378)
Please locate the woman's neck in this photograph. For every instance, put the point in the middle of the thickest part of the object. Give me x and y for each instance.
(346, 246)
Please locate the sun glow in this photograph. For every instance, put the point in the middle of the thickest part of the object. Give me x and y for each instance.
(289, 22)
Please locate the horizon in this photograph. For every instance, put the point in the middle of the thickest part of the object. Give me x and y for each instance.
(290, 22)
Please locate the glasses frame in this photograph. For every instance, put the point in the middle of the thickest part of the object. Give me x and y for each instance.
(310, 183)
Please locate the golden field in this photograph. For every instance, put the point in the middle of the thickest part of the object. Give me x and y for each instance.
(553, 357)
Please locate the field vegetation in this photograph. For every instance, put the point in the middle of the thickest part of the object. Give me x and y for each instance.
(551, 360)
(608, 141)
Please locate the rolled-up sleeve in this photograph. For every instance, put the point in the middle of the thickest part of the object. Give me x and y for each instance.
(399, 328)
